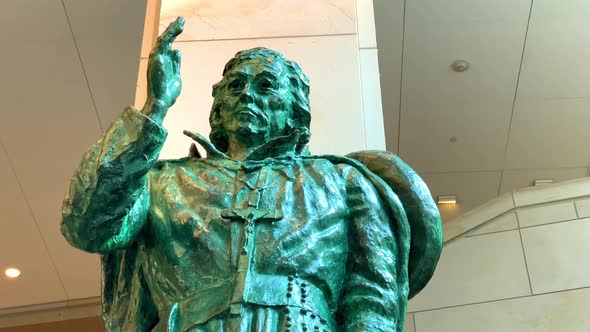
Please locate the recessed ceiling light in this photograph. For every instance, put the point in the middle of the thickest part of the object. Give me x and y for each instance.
(12, 273)
(460, 66)
(446, 199)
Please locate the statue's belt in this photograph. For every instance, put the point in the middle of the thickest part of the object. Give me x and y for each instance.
(296, 296)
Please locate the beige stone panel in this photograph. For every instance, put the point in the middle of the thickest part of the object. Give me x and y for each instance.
(504, 222)
(150, 26)
(141, 88)
(331, 63)
(366, 24)
(558, 255)
(552, 192)
(565, 311)
(524, 178)
(243, 19)
(371, 94)
(409, 327)
(544, 214)
(482, 268)
(583, 207)
(479, 215)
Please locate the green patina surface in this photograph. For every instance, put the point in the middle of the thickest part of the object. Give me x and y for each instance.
(259, 235)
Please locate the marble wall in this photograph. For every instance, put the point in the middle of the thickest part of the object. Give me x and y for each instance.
(333, 41)
(524, 270)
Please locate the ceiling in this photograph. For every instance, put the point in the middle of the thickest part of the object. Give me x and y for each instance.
(67, 68)
(520, 112)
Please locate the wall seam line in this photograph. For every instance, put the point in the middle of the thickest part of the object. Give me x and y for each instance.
(83, 67)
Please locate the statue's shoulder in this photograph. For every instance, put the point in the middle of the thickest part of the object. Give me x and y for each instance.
(164, 166)
(422, 213)
(167, 163)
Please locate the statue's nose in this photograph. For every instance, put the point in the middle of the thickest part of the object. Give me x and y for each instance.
(247, 94)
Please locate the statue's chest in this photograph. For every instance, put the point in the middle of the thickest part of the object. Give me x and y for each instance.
(235, 210)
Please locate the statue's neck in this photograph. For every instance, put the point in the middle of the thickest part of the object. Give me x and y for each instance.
(238, 149)
(278, 146)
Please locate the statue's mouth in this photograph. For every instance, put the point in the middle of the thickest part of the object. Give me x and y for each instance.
(249, 113)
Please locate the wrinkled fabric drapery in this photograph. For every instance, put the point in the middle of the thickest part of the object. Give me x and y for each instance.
(171, 254)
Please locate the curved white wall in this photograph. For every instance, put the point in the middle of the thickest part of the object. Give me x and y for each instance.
(517, 263)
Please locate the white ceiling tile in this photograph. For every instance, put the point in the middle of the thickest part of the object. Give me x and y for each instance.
(330, 62)
(48, 123)
(469, 11)
(516, 179)
(212, 19)
(389, 20)
(555, 62)
(33, 20)
(22, 247)
(474, 106)
(471, 188)
(110, 52)
(106, 19)
(550, 133)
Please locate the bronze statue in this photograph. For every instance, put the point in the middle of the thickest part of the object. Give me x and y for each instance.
(259, 235)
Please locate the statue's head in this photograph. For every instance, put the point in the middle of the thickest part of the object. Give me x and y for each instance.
(262, 96)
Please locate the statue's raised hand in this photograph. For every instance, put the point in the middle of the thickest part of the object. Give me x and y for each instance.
(163, 73)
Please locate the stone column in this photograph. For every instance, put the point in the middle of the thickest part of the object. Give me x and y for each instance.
(333, 41)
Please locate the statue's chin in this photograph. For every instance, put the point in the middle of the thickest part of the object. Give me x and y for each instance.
(250, 133)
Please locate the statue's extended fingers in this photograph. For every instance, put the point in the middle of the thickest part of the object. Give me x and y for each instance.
(176, 55)
(171, 32)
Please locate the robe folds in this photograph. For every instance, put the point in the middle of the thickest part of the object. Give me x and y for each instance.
(280, 243)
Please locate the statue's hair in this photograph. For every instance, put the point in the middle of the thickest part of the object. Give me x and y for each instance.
(299, 92)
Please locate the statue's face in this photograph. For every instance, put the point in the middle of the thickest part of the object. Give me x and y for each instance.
(256, 104)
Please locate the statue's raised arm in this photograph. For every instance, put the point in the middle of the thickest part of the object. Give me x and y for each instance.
(107, 202)
(163, 73)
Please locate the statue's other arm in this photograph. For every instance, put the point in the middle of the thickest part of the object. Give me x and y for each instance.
(369, 296)
(107, 202)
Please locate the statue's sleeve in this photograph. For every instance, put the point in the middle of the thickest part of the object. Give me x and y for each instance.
(107, 202)
(369, 300)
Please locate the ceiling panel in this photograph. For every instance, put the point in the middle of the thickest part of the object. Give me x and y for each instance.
(472, 108)
(32, 20)
(471, 188)
(553, 101)
(516, 179)
(389, 17)
(108, 35)
(47, 123)
(555, 64)
(22, 247)
(550, 133)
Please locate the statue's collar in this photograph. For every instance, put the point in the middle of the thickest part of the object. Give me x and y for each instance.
(282, 146)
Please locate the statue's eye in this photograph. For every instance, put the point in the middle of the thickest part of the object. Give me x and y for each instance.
(265, 84)
(236, 84)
